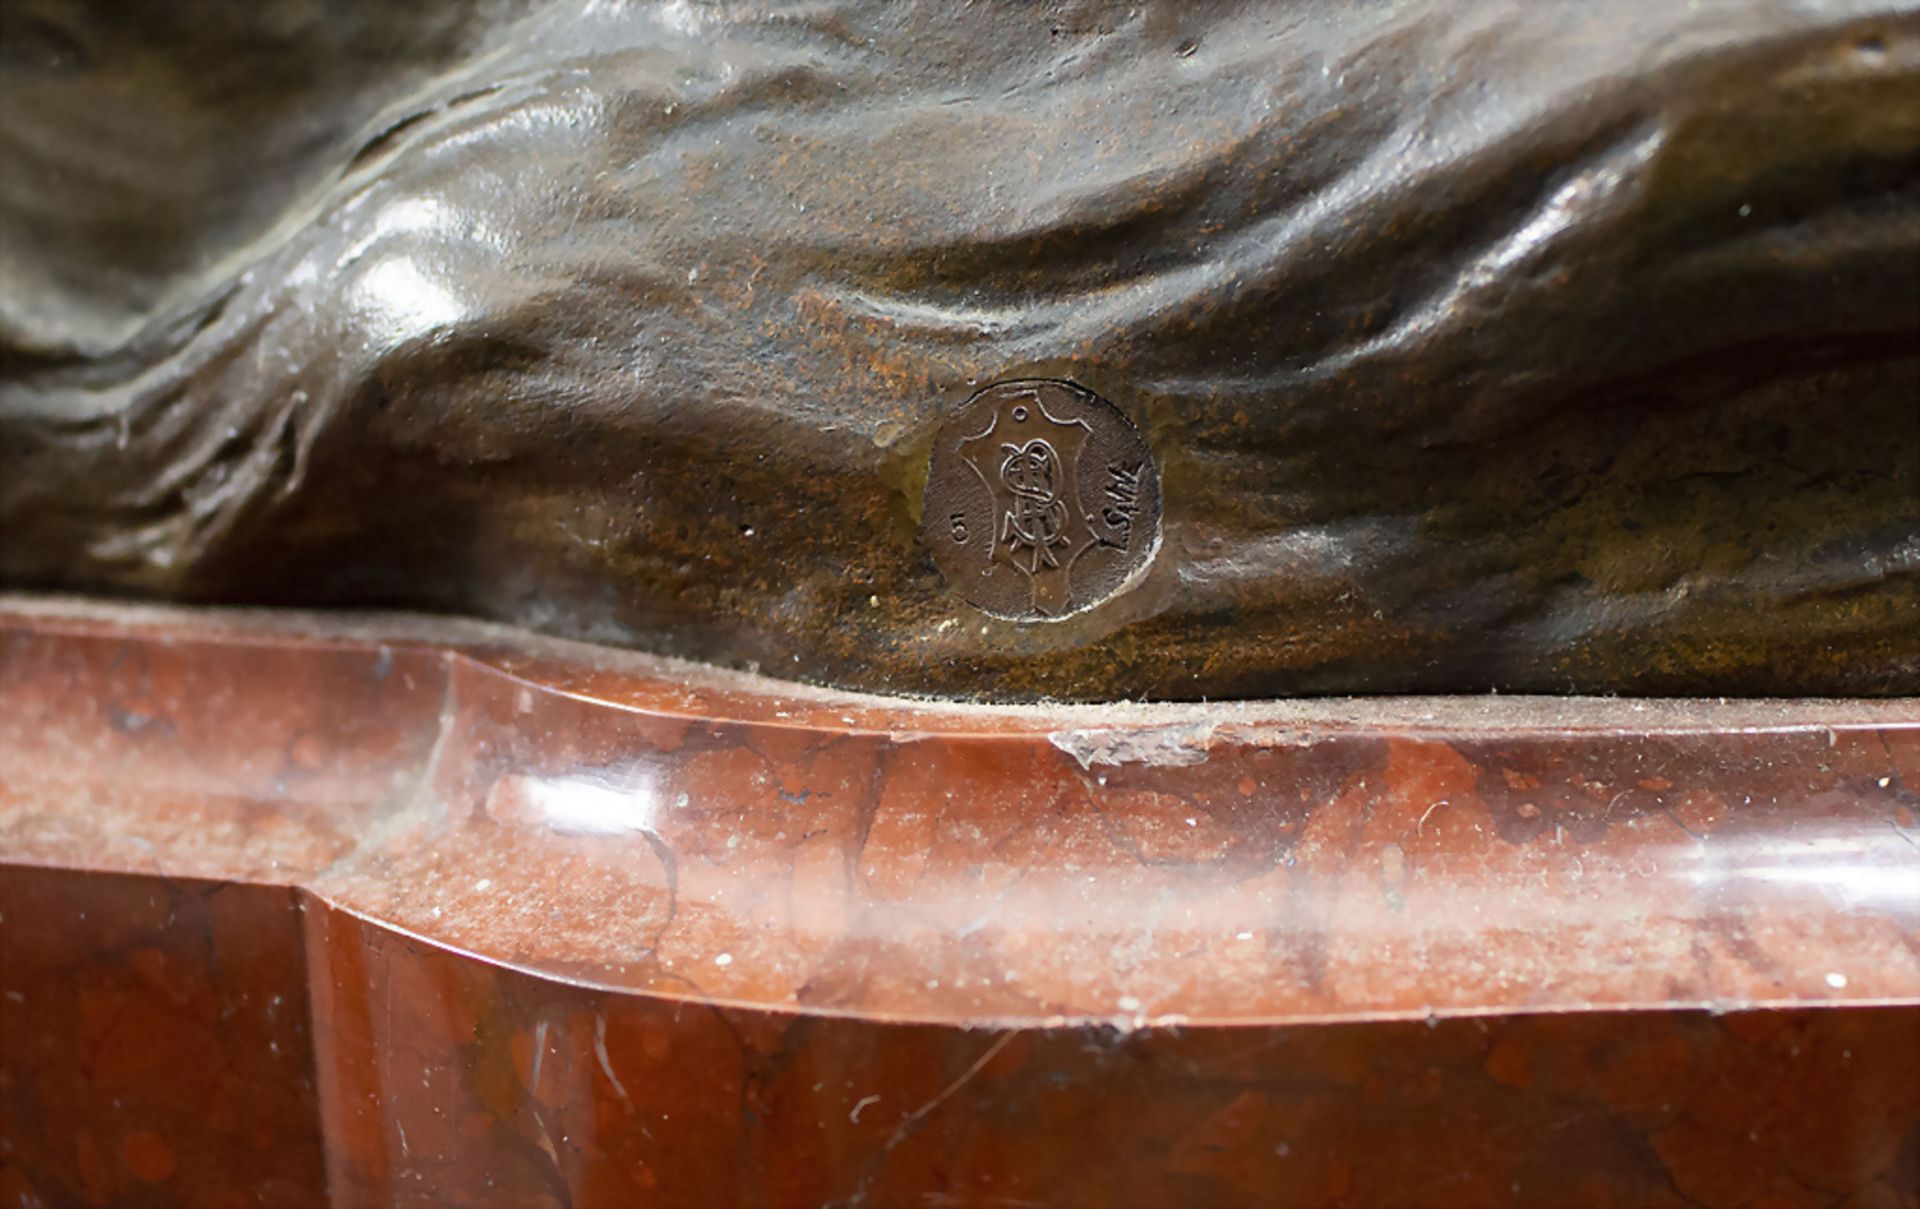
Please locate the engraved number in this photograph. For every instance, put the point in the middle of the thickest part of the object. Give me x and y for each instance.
(958, 522)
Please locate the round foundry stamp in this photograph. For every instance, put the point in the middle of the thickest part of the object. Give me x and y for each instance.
(1042, 501)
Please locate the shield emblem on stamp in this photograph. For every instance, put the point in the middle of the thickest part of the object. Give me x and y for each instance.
(1042, 501)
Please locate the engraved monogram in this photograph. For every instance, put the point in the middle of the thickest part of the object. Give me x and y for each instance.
(1028, 459)
(1037, 454)
(1037, 521)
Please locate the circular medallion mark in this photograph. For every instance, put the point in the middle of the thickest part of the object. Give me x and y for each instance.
(1042, 501)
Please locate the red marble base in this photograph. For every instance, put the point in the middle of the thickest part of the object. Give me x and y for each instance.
(307, 911)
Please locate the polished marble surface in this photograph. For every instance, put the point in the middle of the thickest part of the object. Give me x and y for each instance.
(386, 910)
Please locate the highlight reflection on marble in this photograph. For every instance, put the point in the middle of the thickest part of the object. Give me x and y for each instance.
(359, 910)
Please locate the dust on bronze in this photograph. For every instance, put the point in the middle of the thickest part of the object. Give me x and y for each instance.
(1042, 500)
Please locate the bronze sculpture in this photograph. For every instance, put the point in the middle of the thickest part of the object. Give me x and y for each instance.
(1523, 347)
(996, 351)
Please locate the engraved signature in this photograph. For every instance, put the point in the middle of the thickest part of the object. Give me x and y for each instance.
(1123, 488)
